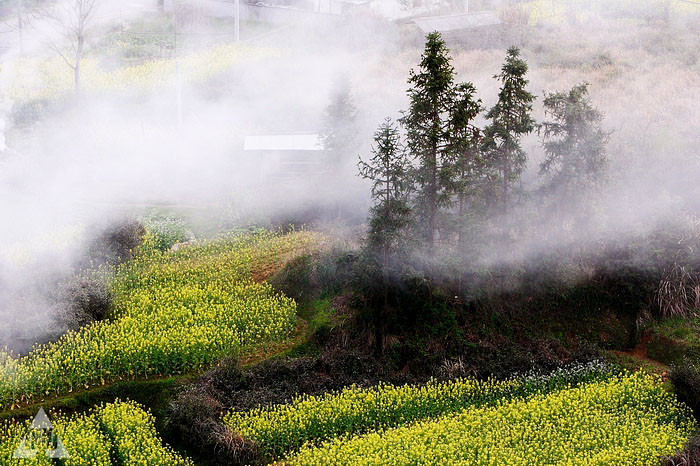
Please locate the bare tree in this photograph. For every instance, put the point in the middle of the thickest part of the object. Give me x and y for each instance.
(70, 20)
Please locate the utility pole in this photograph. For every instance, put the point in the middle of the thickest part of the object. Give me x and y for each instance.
(238, 21)
(178, 86)
(554, 10)
(179, 94)
(20, 26)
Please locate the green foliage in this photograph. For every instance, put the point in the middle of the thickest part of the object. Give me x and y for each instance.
(388, 172)
(389, 217)
(510, 120)
(685, 377)
(321, 322)
(573, 141)
(427, 132)
(467, 164)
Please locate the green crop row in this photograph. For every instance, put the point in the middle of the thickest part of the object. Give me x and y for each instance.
(624, 420)
(41, 78)
(173, 312)
(279, 429)
(119, 433)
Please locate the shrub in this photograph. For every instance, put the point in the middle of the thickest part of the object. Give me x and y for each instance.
(685, 378)
(115, 244)
(84, 300)
(193, 416)
(166, 230)
(678, 292)
(689, 456)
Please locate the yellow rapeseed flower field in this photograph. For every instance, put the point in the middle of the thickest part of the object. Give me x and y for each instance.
(627, 419)
(122, 431)
(173, 312)
(279, 429)
(35, 78)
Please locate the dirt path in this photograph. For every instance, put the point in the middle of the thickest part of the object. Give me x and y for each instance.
(639, 356)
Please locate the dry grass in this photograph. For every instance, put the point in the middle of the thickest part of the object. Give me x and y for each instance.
(678, 292)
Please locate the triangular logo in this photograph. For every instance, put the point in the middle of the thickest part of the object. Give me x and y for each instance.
(42, 421)
(41, 437)
(58, 452)
(23, 452)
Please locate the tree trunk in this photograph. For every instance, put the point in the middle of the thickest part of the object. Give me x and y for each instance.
(505, 181)
(432, 202)
(462, 208)
(76, 72)
(76, 69)
(20, 27)
(380, 315)
(431, 165)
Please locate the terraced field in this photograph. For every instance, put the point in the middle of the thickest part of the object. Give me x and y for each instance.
(119, 431)
(41, 78)
(173, 313)
(585, 417)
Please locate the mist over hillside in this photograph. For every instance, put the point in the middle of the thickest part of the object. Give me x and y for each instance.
(78, 163)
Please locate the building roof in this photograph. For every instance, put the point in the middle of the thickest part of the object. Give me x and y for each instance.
(283, 142)
(459, 22)
(354, 2)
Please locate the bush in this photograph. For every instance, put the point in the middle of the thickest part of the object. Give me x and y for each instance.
(84, 300)
(115, 244)
(685, 377)
(689, 456)
(193, 416)
(166, 229)
(295, 281)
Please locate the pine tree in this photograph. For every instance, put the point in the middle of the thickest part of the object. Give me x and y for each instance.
(387, 169)
(574, 143)
(510, 120)
(427, 132)
(339, 132)
(464, 150)
(339, 136)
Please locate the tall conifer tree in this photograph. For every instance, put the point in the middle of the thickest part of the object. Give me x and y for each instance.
(426, 122)
(510, 120)
(387, 169)
(573, 141)
(464, 150)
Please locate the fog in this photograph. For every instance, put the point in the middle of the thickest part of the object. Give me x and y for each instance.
(111, 153)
